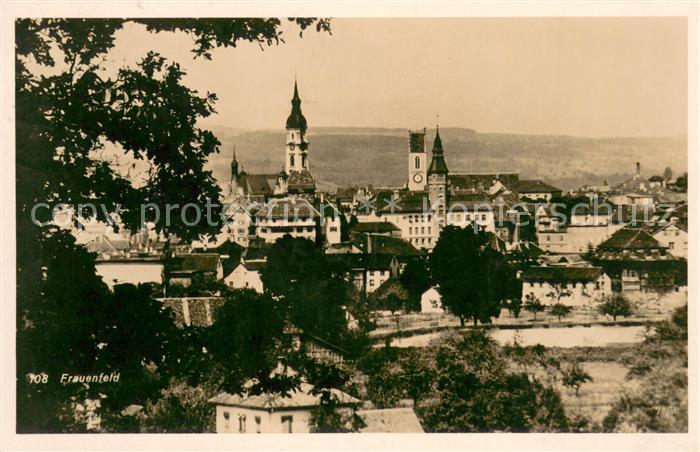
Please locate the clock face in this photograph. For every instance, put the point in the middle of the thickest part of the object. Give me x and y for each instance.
(291, 146)
(418, 178)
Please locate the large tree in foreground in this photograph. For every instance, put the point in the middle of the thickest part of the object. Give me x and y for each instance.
(477, 390)
(473, 277)
(82, 134)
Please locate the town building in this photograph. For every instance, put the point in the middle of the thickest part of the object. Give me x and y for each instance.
(579, 230)
(290, 215)
(637, 262)
(537, 190)
(246, 275)
(673, 236)
(431, 301)
(129, 270)
(571, 286)
(186, 267)
(272, 412)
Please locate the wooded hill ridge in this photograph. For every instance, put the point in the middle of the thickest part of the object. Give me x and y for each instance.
(346, 156)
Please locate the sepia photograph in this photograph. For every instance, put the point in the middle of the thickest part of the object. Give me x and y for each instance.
(331, 223)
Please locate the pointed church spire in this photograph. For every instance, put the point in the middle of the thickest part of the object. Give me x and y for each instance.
(437, 145)
(234, 164)
(438, 165)
(296, 119)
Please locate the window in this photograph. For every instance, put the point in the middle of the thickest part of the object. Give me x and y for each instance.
(241, 423)
(371, 283)
(291, 160)
(287, 424)
(257, 424)
(417, 162)
(670, 245)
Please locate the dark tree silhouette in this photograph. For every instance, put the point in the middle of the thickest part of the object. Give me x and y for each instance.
(469, 273)
(64, 118)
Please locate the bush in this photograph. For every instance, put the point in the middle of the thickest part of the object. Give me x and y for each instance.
(532, 304)
(615, 306)
(560, 310)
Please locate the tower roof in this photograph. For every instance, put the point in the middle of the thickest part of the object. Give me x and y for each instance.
(438, 165)
(296, 119)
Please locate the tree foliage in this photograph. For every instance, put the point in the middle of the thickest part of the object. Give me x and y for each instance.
(314, 290)
(533, 305)
(470, 274)
(616, 305)
(70, 114)
(560, 310)
(416, 279)
(475, 391)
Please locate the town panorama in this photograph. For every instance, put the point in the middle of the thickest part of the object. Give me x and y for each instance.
(263, 302)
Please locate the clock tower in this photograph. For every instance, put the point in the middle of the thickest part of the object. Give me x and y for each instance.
(417, 161)
(296, 155)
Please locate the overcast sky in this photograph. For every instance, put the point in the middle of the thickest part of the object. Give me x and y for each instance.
(574, 76)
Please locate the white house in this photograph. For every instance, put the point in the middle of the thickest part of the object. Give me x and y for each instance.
(272, 412)
(673, 236)
(293, 216)
(246, 275)
(431, 302)
(135, 271)
(572, 286)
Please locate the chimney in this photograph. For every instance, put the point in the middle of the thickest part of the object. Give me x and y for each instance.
(638, 169)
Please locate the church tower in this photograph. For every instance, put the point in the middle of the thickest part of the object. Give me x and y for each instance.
(234, 166)
(296, 156)
(233, 181)
(437, 181)
(417, 161)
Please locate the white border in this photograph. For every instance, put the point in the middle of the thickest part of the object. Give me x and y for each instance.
(491, 441)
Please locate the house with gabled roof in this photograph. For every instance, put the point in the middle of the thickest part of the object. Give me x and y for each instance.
(537, 190)
(184, 267)
(673, 236)
(637, 262)
(273, 412)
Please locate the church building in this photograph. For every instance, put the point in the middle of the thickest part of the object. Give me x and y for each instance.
(295, 178)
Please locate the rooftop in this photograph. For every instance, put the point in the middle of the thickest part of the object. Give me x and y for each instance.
(300, 398)
(561, 274)
(536, 186)
(630, 239)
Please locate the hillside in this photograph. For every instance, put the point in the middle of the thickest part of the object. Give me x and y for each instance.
(343, 156)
